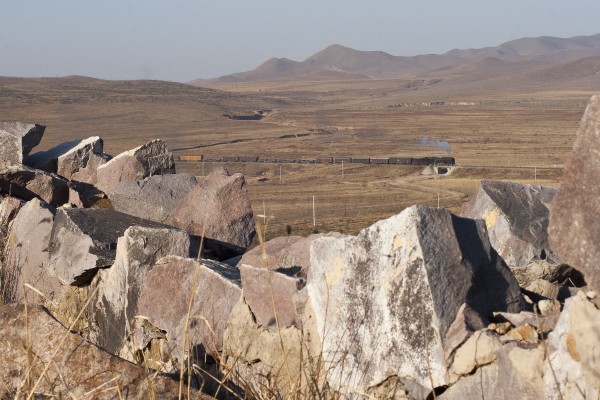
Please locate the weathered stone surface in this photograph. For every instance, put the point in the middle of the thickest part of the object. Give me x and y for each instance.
(480, 349)
(153, 198)
(67, 158)
(9, 207)
(152, 158)
(89, 173)
(28, 183)
(544, 288)
(78, 369)
(272, 295)
(170, 281)
(515, 373)
(26, 253)
(383, 300)
(120, 286)
(83, 195)
(16, 141)
(542, 323)
(220, 209)
(560, 274)
(291, 253)
(261, 357)
(467, 322)
(574, 219)
(574, 352)
(85, 240)
(516, 217)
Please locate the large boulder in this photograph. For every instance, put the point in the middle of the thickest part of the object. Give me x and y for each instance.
(17, 139)
(152, 158)
(273, 276)
(382, 302)
(38, 349)
(26, 253)
(118, 288)
(574, 352)
(218, 209)
(516, 217)
(29, 183)
(9, 207)
(170, 282)
(85, 240)
(574, 219)
(67, 158)
(153, 198)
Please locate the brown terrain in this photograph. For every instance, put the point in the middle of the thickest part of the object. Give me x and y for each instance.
(508, 112)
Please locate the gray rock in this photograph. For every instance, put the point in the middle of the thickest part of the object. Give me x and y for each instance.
(152, 158)
(85, 240)
(383, 300)
(153, 198)
(574, 352)
(89, 173)
(16, 141)
(9, 207)
(272, 296)
(574, 219)
(26, 254)
(78, 370)
(467, 322)
(489, 370)
(120, 286)
(289, 253)
(28, 183)
(170, 282)
(516, 217)
(219, 208)
(560, 274)
(67, 158)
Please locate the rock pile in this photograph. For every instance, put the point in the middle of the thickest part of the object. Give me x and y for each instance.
(423, 304)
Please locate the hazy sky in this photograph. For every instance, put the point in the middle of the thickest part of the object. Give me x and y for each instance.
(183, 40)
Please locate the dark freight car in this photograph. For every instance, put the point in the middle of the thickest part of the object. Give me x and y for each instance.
(231, 159)
(360, 160)
(379, 161)
(248, 159)
(421, 161)
(400, 160)
(324, 160)
(339, 160)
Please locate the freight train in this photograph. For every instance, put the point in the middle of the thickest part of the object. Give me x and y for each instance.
(435, 161)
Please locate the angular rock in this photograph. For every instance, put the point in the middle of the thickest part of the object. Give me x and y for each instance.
(480, 349)
(85, 240)
(89, 173)
(83, 195)
(574, 223)
(16, 141)
(152, 158)
(516, 217)
(26, 254)
(28, 183)
(170, 282)
(153, 198)
(574, 352)
(516, 372)
(383, 300)
(78, 369)
(291, 253)
(272, 295)
(67, 158)
(540, 322)
(261, 358)
(467, 322)
(221, 201)
(560, 274)
(9, 207)
(544, 288)
(119, 287)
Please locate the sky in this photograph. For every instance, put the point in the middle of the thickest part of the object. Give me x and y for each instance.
(185, 40)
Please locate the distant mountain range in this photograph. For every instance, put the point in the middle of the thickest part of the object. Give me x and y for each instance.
(524, 55)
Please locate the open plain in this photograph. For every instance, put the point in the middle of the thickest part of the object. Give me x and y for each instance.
(508, 125)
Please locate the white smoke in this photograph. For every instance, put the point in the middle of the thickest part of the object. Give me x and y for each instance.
(440, 144)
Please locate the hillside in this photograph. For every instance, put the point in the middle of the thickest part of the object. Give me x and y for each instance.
(342, 62)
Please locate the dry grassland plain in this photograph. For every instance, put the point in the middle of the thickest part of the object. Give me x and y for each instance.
(515, 132)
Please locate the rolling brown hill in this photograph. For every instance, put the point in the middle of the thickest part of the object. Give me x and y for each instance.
(338, 62)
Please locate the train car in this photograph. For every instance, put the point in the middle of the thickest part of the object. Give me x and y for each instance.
(339, 160)
(401, 160)
(191, 158)
(231, 159)
(324, 160)
(213, 159)
(379, 160)
(248, 159)
(363, 160)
